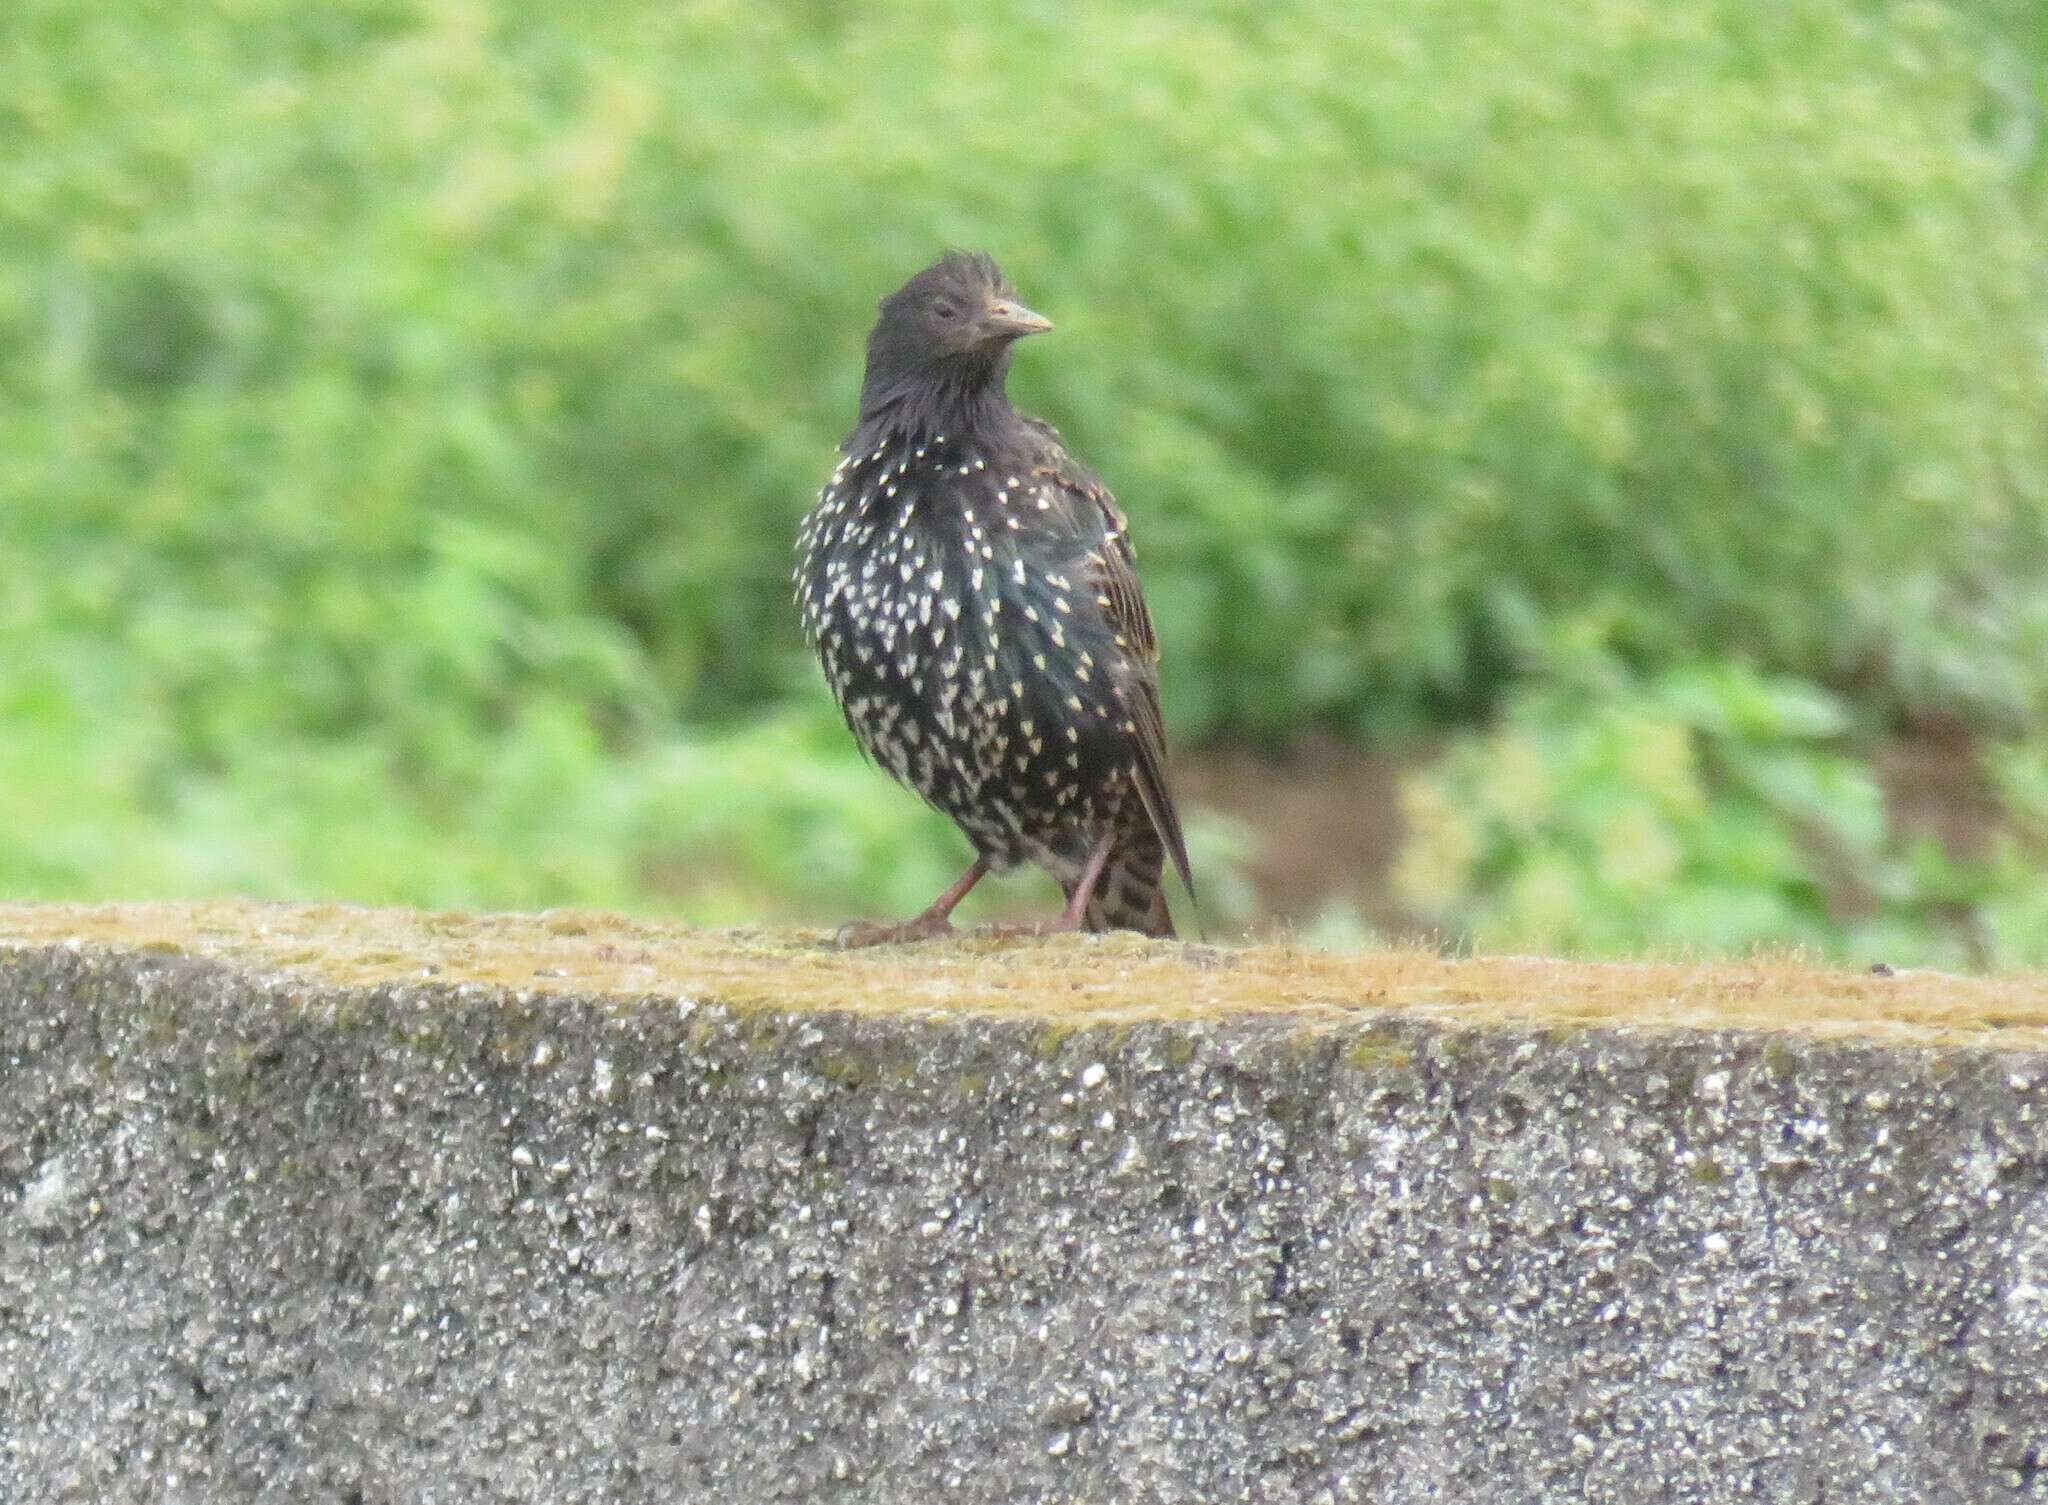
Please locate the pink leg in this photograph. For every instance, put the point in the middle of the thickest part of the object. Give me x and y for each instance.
(934, 922)
(1084, 886)
(1076, 913)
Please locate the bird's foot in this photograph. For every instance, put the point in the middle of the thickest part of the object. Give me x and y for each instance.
(923, 927)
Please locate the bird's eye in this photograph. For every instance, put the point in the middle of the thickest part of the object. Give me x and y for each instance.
(945, 310)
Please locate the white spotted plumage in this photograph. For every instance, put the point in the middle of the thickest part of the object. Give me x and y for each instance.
(1004, 673)
(924, 709)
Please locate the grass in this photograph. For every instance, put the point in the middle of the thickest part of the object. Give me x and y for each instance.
(1071, 981)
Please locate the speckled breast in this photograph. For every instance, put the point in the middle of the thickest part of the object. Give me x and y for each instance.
(943, 593)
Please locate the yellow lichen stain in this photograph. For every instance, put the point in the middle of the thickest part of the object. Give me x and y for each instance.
(1068, 983)
(1055, 1035)
(1373, 1051)
(845, 1069)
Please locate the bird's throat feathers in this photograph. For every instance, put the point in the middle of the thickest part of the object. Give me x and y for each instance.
(961, 395)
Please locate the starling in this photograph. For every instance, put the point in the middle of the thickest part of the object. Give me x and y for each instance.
(969, 588)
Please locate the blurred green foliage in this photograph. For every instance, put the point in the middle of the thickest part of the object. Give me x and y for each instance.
(405, 405)
(1708, 809)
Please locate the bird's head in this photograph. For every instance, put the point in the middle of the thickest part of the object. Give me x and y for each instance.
(947, 332)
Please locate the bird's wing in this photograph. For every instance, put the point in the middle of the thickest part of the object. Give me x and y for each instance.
(1112, 575)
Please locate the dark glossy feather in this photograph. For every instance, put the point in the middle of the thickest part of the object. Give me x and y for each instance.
(971, 592)
(1112, 574)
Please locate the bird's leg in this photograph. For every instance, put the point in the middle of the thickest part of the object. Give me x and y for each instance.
(1084, 886)
(942, 907)
(1076, 913)
(935, 921)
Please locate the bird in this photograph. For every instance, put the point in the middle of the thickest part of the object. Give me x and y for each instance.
(972, 596)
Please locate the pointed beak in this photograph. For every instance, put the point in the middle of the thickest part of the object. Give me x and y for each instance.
(1010, 320)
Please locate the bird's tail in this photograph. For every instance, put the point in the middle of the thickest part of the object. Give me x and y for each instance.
(1129, 894)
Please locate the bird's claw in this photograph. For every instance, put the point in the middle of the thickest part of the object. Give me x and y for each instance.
(924, 927)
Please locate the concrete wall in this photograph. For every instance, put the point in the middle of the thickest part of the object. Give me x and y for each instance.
(271, 1239)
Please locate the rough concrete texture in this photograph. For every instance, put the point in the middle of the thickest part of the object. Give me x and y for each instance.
(264, 1237)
